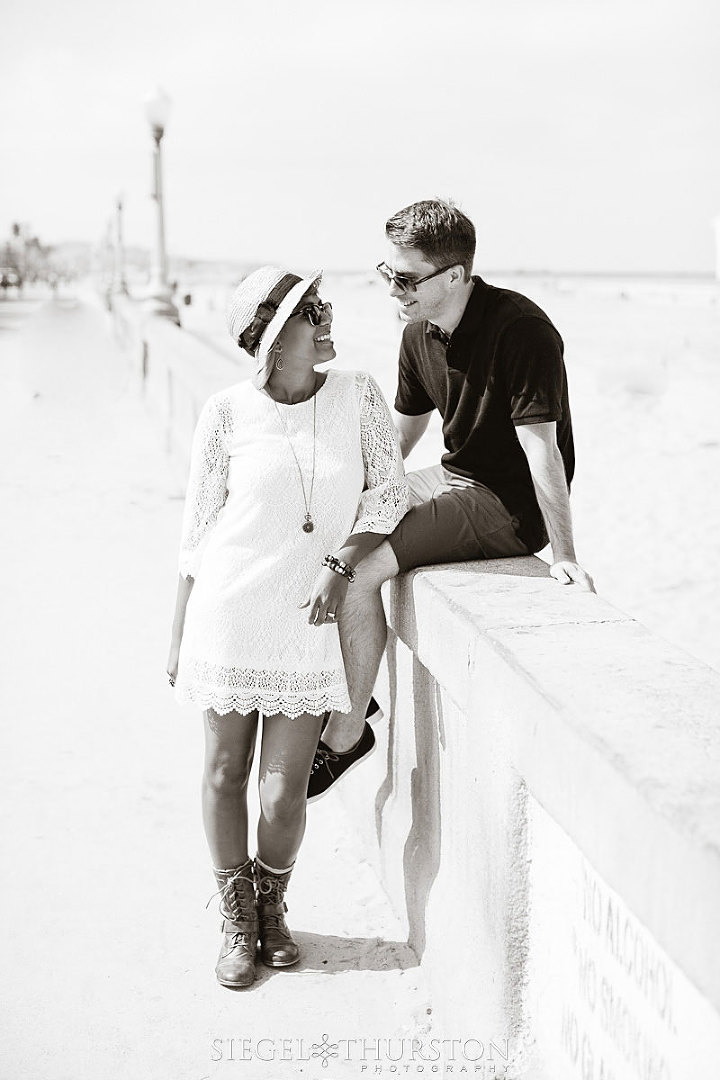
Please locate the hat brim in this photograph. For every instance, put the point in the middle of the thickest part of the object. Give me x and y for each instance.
(281, 316)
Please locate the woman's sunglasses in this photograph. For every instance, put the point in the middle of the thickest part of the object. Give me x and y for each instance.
(314, 313)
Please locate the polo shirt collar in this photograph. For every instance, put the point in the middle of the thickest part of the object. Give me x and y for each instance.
(438, 333)
(470, 317)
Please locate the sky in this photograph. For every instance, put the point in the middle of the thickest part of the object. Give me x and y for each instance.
(578, 135)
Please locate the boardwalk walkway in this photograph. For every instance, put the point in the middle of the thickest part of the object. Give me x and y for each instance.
(108, 963)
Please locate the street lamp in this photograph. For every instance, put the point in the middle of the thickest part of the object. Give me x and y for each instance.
(157, 110)
(120, 281)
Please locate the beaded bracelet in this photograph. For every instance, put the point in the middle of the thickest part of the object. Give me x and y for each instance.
(339, 567)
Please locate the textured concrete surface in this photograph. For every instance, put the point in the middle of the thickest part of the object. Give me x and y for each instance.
(109, 953)
(603, 998)
(445, 818)
(516, 681)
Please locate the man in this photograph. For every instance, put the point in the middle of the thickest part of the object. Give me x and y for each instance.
(492, 363)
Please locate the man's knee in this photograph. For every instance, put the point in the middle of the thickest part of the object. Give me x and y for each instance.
(423, 483)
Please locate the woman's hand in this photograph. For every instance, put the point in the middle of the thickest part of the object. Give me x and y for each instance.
(326, 597)
(172, 663)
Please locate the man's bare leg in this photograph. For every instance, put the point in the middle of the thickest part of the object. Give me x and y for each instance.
(363, 635)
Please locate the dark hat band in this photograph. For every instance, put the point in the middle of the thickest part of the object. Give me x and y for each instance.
(266, 311)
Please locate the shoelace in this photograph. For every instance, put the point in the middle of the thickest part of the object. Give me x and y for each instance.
(239, 940)
(229, 897)
(324, 757)
(270, 890)
(275, 922)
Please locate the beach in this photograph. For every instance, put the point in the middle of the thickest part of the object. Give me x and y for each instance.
(643, 362)
(103, 775)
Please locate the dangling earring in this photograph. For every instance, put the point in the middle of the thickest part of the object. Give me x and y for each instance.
(279, 362)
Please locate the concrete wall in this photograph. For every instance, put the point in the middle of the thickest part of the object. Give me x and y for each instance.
(175, 372)
(544, 805)
(545, 815)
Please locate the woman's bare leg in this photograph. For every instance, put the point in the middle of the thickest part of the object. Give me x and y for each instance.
(229, 751)
(286, 757)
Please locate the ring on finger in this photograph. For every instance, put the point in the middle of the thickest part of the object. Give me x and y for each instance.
(331, 615)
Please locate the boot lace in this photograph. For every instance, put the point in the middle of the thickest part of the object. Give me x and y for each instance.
(271, 890)
(274, 922)
(239, 939)
(231, 899)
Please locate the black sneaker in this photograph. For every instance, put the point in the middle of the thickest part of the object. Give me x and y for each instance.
(373, 714)
(328, 766)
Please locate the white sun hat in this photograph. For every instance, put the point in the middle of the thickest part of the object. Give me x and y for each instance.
(260, 307)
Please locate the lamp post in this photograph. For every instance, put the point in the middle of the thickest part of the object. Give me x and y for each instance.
(120, 280)
(159, 301)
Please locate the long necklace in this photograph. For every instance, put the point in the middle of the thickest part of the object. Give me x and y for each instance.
(308, 525)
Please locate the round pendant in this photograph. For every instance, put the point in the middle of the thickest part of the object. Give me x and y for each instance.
(308, 526)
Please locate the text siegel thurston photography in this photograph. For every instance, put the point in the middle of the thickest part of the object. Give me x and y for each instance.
(374, 1056)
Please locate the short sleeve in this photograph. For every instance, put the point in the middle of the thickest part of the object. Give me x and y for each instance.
(207, 483)
(534, 371)
(411, 398)
(385, 499)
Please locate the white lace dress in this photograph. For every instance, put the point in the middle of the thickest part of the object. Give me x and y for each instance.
(247, 644)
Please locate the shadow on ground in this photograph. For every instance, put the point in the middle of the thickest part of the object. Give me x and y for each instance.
(330, 954)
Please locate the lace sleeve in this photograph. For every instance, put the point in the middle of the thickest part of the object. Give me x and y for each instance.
(385, 498)
(207, 490)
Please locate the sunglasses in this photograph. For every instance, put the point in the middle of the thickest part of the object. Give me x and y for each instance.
(314, 313)
(402, 281)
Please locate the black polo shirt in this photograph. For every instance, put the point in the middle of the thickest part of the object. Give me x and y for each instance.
(501, 367)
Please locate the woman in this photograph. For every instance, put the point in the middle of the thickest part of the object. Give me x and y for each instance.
(294, 478)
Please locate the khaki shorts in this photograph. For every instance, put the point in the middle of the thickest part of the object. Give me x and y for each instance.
(452, 519)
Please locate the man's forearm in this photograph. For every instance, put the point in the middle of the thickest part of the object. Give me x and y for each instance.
(548, 477)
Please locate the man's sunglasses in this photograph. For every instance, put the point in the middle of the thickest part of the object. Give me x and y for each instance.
(314, 313)
(402, 281)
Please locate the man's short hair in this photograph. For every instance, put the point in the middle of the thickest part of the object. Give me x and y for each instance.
(438, 230)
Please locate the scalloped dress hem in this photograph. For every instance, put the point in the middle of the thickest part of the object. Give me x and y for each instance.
(244, 703)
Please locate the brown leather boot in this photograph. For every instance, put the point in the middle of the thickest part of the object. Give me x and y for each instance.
(276, 944)
(236, 962)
